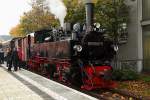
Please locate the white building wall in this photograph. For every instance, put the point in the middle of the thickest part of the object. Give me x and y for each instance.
(131, 53)
(139, 40)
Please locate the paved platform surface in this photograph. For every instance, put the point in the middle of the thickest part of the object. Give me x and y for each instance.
(25, 85)
(12, 89)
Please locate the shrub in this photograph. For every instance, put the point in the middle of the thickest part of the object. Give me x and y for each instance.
(124, 75)
(145, 78)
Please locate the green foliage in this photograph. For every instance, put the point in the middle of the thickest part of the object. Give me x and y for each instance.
(124, 75)
(108, 13)
(75, 11)
(111, 14)
(145, 78)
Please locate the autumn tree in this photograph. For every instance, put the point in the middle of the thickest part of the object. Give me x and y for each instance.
(39, 17)
(17, 31)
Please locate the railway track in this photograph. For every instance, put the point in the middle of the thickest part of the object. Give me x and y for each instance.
(105, 94)
(108, 94)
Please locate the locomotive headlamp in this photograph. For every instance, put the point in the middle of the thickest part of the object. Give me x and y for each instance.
(78, 48)
(97, 25)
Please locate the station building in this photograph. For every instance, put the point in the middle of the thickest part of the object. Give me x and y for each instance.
(136, 51)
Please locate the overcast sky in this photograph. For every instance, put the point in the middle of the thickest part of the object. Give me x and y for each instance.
(10, 12)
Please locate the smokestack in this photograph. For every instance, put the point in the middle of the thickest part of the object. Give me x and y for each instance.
(89, 13)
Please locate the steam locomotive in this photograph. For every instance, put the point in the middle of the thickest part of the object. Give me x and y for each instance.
(83, 60)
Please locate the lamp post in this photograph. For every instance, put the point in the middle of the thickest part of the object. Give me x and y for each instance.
(115, 31)
(123, 33)
(115, 23)
(119, 30)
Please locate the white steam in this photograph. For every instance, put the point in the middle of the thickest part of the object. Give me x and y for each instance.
(58, 8)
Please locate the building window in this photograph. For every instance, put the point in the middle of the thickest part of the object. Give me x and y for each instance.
(146, 9)
(146, 48)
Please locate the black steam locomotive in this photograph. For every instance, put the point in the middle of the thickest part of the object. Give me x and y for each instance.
(84, 59)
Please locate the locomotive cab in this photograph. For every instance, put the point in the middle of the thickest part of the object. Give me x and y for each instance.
(43, 36)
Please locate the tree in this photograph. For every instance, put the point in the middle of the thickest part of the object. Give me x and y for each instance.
(75, 11)
(111, 14)
(17, 31)
(39, 17)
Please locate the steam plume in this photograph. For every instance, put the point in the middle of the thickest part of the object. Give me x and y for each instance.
(58, 8)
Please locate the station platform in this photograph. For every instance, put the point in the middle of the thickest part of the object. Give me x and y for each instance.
(25, 85)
